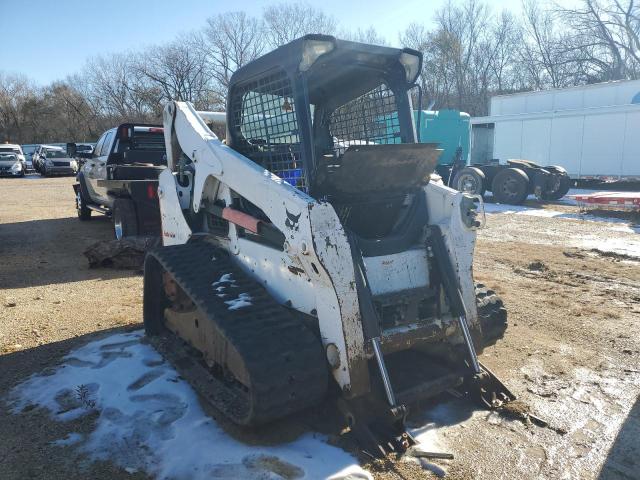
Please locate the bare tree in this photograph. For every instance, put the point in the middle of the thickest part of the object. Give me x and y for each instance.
(543, 50)
(605, 35)
(230, 40)
(117, 89)
(19, 107)
(369, 35)
(505, 35)
(179, 71)
(284, 22)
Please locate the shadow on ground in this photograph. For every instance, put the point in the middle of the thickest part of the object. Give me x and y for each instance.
(49, 251)
(622, 460)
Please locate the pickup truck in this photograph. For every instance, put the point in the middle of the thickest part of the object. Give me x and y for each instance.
(119, 178)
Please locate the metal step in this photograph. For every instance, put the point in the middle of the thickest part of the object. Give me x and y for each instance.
(99, 209)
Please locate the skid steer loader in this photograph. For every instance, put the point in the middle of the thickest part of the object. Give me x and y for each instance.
(310, 256)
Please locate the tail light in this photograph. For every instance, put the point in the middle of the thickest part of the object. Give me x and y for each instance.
(152, 192)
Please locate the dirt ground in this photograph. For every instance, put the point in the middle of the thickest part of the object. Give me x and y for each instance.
(571, 352)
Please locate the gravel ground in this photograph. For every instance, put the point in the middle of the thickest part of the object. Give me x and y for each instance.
(570, 354)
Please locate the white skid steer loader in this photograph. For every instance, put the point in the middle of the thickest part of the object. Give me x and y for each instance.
(310, 255)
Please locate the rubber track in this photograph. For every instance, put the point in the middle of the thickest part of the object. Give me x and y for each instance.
(284, 359)
(491, 313)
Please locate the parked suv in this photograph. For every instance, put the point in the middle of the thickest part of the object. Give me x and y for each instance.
(119, 178)
(50, 160)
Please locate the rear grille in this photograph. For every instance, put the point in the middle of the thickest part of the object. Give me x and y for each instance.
(61, 164)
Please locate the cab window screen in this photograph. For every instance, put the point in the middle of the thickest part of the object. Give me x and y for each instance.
(265, 123)
(371, 119)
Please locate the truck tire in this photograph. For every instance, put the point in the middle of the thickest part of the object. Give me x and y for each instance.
(84, 212)
(511, 186)
(470, 180)
(491, 314)
(125, 220)
(563, 186)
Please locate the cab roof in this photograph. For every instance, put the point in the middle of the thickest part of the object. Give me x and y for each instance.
(349, 67)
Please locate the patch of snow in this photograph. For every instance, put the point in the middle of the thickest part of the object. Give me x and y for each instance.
(615, 245)
(150, 420)
(621, 224)
(226, 278)
(70, 439)
(503, 208)
(243, 300)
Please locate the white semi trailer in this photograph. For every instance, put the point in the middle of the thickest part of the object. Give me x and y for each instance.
(591, 131)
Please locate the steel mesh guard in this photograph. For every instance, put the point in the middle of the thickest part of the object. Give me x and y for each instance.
(265, 121)
(369, 119)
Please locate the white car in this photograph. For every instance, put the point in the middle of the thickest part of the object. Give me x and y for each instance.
(10, 165)
(13, 148)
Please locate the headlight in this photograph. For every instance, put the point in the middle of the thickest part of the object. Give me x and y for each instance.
(16, 167)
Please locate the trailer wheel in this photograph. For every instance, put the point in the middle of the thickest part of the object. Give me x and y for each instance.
(470, 180)
(125, 220)
(562, 186)
(84, 212)
(511, 186)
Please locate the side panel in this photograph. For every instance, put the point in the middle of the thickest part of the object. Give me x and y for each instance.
(567, 99)
(631, 159)
(445, 210)
(565, 153)
(603, 144)
(282, 275)
(337, 298)
(536, 136)
(508, 140)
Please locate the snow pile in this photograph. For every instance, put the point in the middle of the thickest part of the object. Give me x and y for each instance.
(223, 285)
(224, 281)
(150, 420)
(243, 300)
(620, 224)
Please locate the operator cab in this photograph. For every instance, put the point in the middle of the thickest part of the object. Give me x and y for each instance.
(334, 119)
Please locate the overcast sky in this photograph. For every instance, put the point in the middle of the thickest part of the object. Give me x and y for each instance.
(49, 39)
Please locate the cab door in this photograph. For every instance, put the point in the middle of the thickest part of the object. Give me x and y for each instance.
(95, 168)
